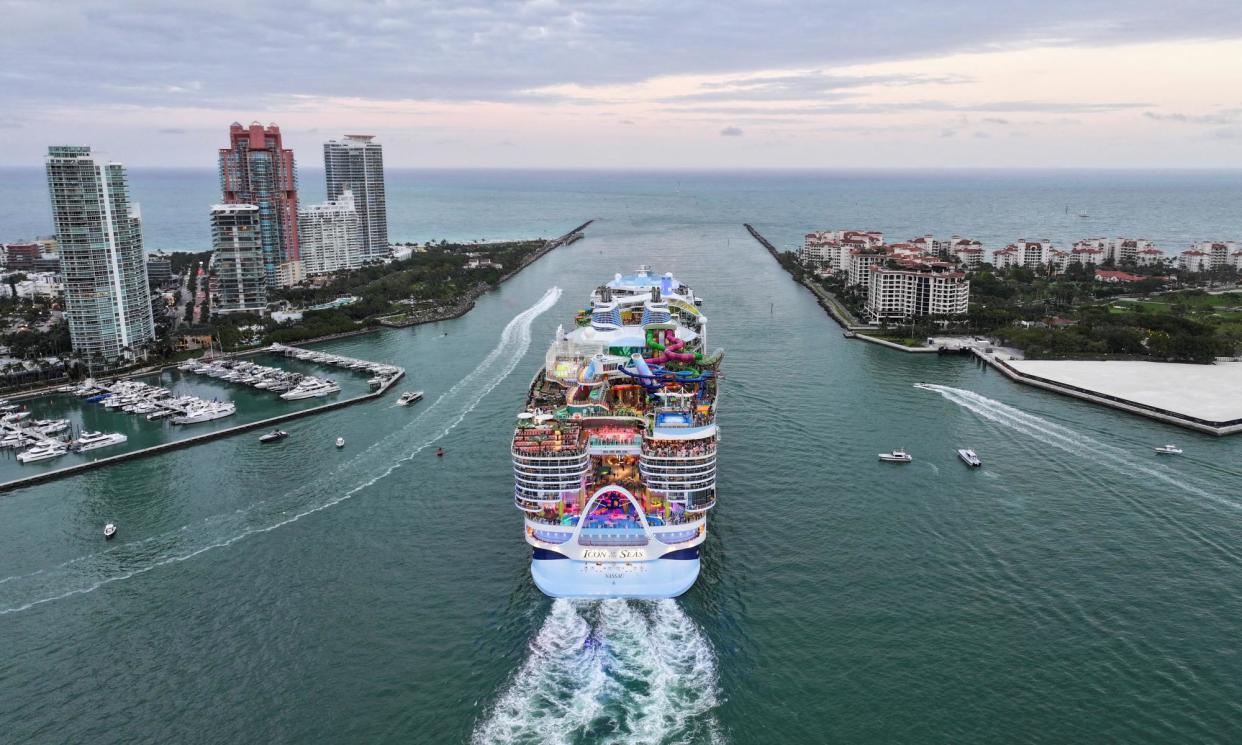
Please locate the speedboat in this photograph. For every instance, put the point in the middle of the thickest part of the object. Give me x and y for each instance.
(275, 435)
(897, 456)
(1168, 450)
(969, 458)
(340, 442)
(409, 397)
(109, 531)
(42, 452)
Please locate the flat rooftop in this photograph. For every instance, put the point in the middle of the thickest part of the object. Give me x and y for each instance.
(1207, 392)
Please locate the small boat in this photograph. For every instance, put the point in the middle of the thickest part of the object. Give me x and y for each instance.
(439, 452)
(275, 435)
(969, 458)
(897, 456)
(340, 442)
(1168, 450)
(109, 531)
(409, 397)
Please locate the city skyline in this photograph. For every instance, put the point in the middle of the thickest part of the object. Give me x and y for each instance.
(539, 84)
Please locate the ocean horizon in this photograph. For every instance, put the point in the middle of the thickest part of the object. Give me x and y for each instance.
(995, 205)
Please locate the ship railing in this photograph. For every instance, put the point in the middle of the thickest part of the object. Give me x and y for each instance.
(611, 537)
(673, 537)
(665, 483)
(692, 469)
(576, 469)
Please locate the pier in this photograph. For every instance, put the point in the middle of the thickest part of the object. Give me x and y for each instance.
(75, 469)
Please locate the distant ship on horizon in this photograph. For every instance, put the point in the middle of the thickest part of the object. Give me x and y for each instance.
(614, 454)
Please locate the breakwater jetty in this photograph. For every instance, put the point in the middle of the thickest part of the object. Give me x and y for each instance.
(826, 299)
(386, 384)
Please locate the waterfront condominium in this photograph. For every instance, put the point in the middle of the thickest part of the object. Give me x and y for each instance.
(107, 301)
(331, 236)
(241, 282)
(356, 164)
(916, 289)
(256, 168)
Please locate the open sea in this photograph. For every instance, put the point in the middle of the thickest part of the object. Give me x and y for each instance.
(1075, 589)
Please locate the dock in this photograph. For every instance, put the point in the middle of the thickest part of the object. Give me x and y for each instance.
(77, 468)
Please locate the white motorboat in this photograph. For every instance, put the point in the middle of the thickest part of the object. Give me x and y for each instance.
(42, 452)
(409, 397)
(52, 426)
(340, 442)
(207, 413)
(969, 457)
(1168, 450)
(16, 416)
(275, 435)
(896, 456)
(109, 531)
(93, 440)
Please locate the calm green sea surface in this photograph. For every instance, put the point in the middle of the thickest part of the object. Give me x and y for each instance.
(1074, 589)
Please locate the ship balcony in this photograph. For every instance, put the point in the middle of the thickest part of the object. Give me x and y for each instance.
(547, 454)
(664, 482)
(674, 537)
(574, 470)
(612, 537)
(680, 471)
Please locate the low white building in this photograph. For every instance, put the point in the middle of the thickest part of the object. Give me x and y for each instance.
(330, 236)
(830, 249)
(36, 285)
(1194, 260)
(1219, 252)
(1006, 258)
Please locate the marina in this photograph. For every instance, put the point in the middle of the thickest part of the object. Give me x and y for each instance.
(173, 409)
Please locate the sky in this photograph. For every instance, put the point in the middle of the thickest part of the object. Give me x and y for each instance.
(634, 83)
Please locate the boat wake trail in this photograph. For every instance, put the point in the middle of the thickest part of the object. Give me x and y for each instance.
(88, 573)
(611, 671)
(1071, 441)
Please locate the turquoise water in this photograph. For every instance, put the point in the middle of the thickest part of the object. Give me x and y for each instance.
(1074, 589)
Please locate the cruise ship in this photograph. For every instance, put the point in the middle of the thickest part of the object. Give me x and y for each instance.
(614, 454)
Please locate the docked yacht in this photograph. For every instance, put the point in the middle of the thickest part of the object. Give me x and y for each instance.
(311, 388)
(42, 452)
(207, 413)
(94, 440)
(896, 456)
(410, 397)
(969, 457)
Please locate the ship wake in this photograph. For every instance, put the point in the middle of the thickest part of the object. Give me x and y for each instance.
(1074, 442)
(611, 671)
(93, 571)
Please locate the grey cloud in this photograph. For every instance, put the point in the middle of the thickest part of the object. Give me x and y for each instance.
(996, 120)
(981, 135)
(731, 132)
(946, 133)
(803, 86)
(172, 131)
(1056, 107)
(1222, 117)
(256, 55)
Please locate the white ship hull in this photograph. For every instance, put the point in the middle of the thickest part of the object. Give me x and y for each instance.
(644, 580)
